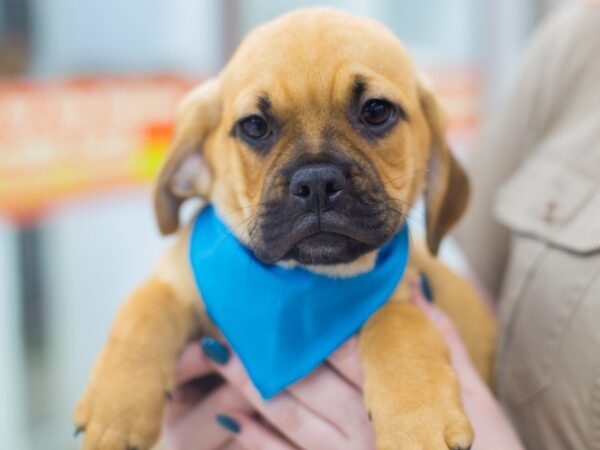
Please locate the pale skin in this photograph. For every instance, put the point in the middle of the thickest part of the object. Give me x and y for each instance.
(325, 410)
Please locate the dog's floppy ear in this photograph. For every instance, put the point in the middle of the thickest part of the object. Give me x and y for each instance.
(184, 172)
(447, 189)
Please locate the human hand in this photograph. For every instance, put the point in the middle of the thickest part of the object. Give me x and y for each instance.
(323, 410)
(189, 419)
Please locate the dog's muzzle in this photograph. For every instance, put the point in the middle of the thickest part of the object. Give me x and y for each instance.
(322, 216)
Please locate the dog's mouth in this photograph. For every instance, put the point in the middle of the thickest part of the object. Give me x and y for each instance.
(326, 249)
(321, 239)
(328, 239)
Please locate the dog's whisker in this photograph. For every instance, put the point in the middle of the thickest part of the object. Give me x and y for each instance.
(418, 222)
(403, 176)
(405, 203)
(232, 231)
(408, 217)
(253, 205)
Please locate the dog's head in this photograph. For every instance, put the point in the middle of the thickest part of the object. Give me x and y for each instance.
(313, 143)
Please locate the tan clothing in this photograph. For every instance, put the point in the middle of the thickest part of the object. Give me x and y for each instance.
(533, 235)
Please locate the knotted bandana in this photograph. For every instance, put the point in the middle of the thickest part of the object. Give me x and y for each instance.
(281, 322)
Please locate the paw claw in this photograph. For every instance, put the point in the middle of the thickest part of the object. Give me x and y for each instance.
(458, 433)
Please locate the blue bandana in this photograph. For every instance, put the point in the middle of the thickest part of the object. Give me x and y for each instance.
(283, 323)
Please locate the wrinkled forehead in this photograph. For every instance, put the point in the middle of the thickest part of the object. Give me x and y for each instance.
(318, 58)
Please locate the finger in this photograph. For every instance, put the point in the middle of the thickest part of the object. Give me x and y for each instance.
(346, 361)
(192, 363)
(251, 434)
(232, 445)
(186, 425)
(286, 414)
(323, 391)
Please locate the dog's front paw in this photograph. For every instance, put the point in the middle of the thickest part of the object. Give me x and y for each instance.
(423, 417)
(122, 406)
(427, 429)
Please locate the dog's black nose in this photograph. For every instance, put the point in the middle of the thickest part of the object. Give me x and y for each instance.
(318, 186)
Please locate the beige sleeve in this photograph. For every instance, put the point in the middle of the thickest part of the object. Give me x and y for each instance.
(514, 129)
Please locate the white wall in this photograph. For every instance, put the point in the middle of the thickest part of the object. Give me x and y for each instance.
(95, 253)
(126, 36)
(12, 411)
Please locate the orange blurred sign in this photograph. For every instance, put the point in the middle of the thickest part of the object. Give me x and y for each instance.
(460, 89)
(63, 138)
(58, 139)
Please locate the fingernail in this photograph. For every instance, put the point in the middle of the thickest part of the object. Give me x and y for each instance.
(228, 423)
(426, 288)
(217, 352)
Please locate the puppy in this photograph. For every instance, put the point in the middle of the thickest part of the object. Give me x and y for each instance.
(313, 87)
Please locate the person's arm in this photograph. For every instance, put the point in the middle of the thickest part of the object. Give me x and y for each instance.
(509, 137)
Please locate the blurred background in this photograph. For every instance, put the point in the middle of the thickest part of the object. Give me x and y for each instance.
(87, 93)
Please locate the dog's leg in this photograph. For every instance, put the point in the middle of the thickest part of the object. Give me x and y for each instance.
(410, 388)
(123, 404)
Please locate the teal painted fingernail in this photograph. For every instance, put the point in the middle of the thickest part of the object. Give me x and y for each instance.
(426, 288)
(228, 423)
(217, 352)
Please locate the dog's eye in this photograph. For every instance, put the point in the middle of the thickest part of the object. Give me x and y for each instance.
(255, 128)
(377, 112)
